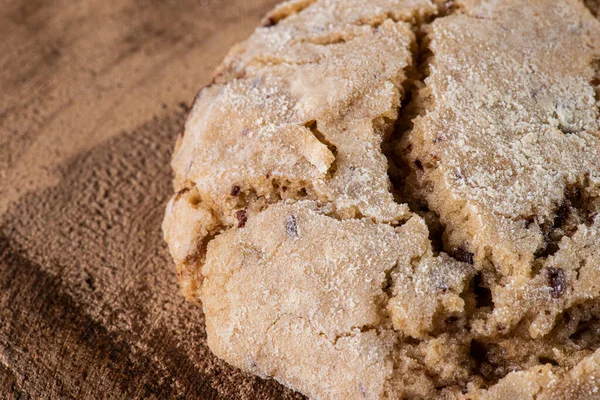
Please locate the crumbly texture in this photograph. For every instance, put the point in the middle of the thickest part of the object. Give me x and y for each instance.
(398, 199)
(307, 302)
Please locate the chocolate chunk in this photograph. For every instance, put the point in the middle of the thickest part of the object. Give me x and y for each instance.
(557, 281)
(291, 225)
(235, 190)
(242, 217)
(462, 255)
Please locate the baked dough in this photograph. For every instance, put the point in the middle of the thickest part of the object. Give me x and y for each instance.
(393, 199)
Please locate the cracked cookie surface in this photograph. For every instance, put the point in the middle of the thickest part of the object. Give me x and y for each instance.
(301, 295)
(509, 147)
(475, 275)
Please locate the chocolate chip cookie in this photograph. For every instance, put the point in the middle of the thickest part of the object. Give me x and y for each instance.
(393, 199)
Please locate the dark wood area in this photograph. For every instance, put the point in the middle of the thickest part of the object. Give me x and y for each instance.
(92, 96)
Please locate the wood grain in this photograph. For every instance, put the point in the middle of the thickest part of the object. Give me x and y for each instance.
(93, 94)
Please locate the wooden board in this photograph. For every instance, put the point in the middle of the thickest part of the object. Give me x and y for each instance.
(92, 95)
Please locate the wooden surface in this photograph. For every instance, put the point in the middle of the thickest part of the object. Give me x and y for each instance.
(92, 95)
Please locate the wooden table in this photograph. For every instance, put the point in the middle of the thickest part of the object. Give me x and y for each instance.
(92, 95)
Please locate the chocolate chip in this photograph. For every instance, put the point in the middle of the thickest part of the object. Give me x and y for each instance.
(462, 255)
(235, 190)
(557, 281)
(242, 217)
(291, 225)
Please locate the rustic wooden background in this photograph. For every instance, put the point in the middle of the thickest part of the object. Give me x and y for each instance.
(92, 95)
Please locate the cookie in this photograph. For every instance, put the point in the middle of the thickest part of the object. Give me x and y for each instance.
(399, 199)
